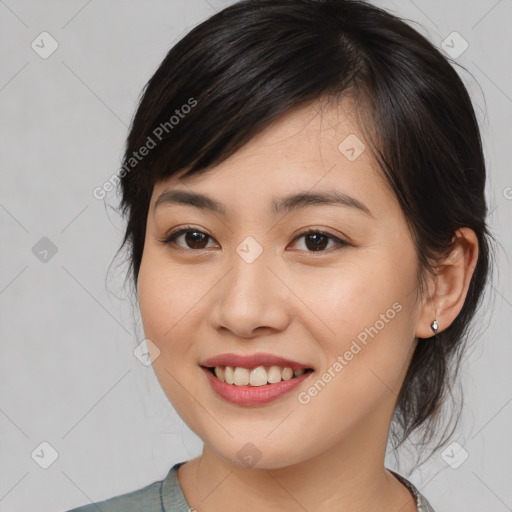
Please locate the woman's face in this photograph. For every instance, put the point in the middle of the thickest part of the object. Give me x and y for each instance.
(245, 281)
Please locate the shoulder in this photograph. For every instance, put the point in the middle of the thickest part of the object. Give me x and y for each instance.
(422, 503)
(147, 499)
(150, 498)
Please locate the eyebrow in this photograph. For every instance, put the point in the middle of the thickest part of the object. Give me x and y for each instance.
(279, 205)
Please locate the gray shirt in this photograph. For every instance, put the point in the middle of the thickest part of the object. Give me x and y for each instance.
(166, 496)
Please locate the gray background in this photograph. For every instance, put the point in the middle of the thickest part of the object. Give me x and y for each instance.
(67, 369)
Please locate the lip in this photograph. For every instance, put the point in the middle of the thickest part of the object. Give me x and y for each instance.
(251, 396)
(253, 361)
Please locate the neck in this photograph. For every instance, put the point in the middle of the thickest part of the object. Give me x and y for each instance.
(348, 478)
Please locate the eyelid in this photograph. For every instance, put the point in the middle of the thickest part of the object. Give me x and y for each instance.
(320, 231)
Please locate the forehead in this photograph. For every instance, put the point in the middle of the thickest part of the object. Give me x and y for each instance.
(317, 147)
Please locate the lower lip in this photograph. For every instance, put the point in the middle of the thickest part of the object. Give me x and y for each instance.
(254, 395)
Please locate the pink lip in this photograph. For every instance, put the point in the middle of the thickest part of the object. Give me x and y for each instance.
(252, 361)
(253, 395)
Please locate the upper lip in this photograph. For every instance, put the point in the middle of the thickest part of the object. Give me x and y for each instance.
(252, 361)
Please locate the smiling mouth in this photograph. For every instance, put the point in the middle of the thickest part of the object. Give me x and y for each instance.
(256, 377)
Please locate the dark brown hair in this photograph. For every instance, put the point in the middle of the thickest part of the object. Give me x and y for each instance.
(254, 61)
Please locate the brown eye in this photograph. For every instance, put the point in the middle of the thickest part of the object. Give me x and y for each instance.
(193, 239)
(318, 241)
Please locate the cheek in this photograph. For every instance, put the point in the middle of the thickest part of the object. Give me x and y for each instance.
(365, 314)
(340, 303)
(167, 311)
(155, 301)
(167, 298)
(364, 363)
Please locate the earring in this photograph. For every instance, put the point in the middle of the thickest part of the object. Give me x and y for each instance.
(435, 326)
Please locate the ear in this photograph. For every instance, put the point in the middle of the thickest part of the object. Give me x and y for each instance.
(449, 286)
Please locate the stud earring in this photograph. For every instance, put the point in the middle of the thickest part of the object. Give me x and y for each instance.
(435, 326)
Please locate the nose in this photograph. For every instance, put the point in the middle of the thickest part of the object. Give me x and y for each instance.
(251, 300)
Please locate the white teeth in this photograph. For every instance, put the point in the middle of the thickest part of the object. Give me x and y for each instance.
(229, 375)
(274, 374)
(287, 373)
(219, 373)
(241, 376)
(257, 376)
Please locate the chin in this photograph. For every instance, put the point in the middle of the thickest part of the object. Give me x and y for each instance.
(258, 454)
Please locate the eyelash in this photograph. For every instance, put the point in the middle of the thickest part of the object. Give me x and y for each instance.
(171, 239)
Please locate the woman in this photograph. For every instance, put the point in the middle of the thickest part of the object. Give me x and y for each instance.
(304, 191)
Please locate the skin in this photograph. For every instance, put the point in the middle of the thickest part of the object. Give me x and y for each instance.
(296, 303)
